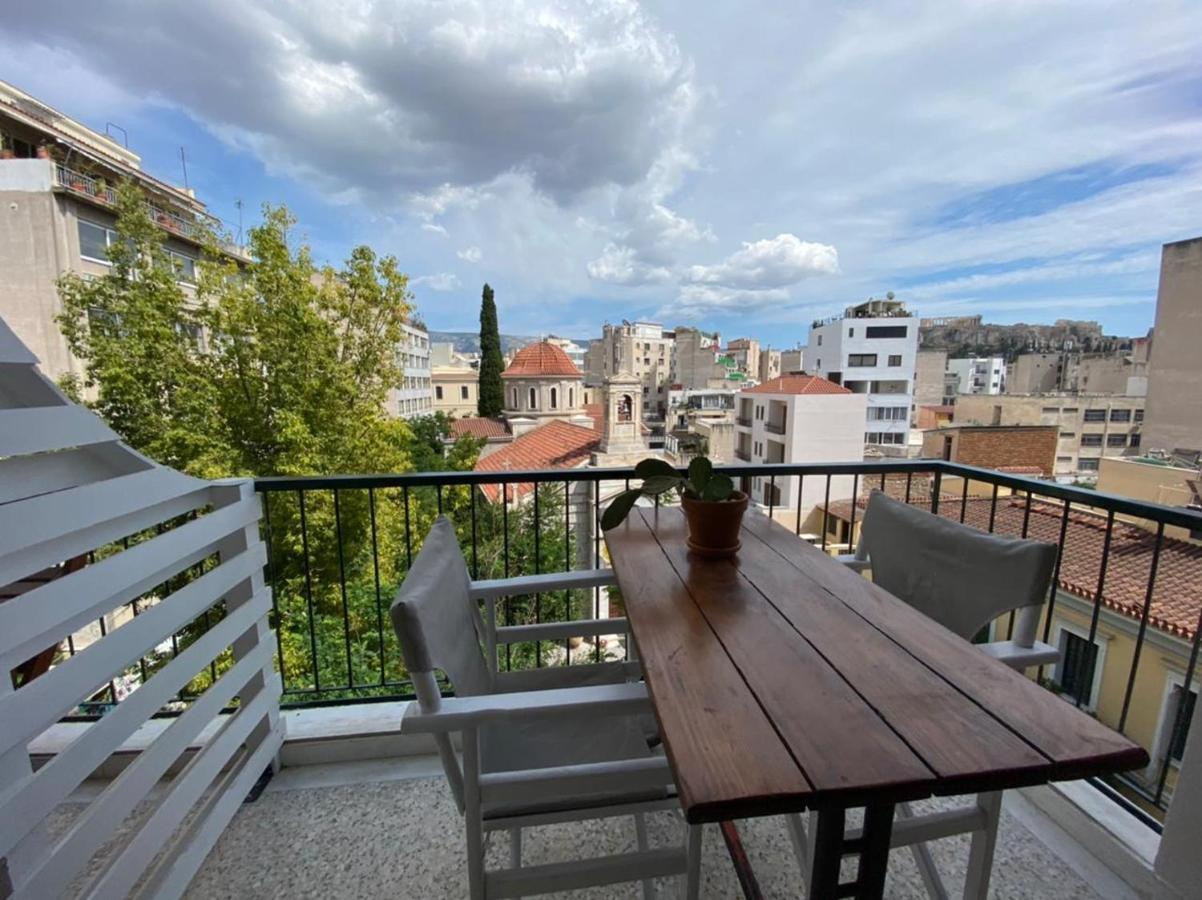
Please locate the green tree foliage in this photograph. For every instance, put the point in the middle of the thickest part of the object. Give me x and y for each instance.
(492, 363)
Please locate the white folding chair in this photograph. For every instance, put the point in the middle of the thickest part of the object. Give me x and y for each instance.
(542, 746)
(963, 578)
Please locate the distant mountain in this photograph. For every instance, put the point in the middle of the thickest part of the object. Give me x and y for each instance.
(469, 341)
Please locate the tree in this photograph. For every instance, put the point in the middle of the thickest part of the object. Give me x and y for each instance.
(492, 393)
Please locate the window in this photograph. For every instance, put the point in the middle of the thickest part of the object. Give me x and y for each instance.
(1077, 667)
(1067, 435)
(1050, 410)
(571, 396)
(895, 359)
(1177, 745)
(183, 265)
(1139, 415)
(554, 398)
(819, 340)
(851, 332)
(95, 240)
(1091, 440)
(1095, 415)
(515, 398)
(1087, 465)
(1070, 409)
(1116, 440)
(463, 393)
(861, 359)
(886, 331)
(533, 399)
(1135, 440)
(438, 392)
(1120, 415)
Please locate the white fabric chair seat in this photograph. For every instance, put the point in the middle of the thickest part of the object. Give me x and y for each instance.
(546, 743)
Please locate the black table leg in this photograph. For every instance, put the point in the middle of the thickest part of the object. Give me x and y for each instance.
(831, 844)
(828, 854)
(874, 857)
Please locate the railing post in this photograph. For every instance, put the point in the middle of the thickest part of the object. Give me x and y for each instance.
(227, 493)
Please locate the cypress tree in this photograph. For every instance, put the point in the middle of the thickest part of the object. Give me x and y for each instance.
(492, 393)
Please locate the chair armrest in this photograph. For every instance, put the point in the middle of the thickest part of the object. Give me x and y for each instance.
(551, 677)
(541, 584)
(1019, 657)
(458, 713)
(557, 631)
(578, 781)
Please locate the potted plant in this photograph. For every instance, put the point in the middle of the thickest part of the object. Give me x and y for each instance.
(712, 507)
(101, 189)
(6, 152)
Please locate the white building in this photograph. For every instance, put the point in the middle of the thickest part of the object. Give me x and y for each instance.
(979, 374)
(574, 351)
(415, 395)
(795, 419)
(871, 349)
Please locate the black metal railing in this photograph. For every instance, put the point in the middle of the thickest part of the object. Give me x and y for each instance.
(745, 421)
(775, 427)
(339, 546)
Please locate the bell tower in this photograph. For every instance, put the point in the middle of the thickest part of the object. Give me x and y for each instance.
(622, 431)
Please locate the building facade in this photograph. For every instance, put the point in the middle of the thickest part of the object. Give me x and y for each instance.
(1175, 375)
(871, 349)
(642, 349)
(770, 364)
(456, 390)
(746, 355)
(979, 374)
(542, 385)
(930, 369)
(60, 216)
(1089, 426)
(794, 419)
(414, 396)
(792, 362)
(1028, 448)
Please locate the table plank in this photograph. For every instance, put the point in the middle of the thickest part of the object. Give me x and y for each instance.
(1076, 743)
(709, 719)
(861, 758)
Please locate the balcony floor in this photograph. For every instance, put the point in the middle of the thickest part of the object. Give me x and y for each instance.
(387, 828)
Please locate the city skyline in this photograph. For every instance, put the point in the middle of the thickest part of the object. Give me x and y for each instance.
(743, 173)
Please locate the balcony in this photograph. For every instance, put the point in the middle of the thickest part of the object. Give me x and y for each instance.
(744, 421)
(774, 427)
(172, 596)
(743, 454)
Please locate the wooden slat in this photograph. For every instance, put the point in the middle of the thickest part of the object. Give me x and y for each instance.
(37, 430)
(708, 716)
(863, 756)
(45, 615)
(36, 706)
(32, 798)
(45, 530)
(1077, 744)
(44, 473)
(965, 746)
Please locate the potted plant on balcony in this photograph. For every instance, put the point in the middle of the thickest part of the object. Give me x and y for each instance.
(712, 507)
(101, 189)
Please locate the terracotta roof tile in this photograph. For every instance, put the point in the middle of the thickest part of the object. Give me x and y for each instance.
(481, 427)
(1177, 595)
(797, 384)
(556, 445)
(535, 360)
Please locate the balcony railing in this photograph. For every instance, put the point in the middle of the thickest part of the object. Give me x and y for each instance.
(745, 421)
(742, 454)
(775, 427)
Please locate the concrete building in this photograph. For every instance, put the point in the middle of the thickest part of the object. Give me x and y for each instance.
(930, 369)
(642, 349)
(979, 374)
(701, 421)
(59, 216)
(1030, 449)
(1156, 481)
(794, 419)
(1035, 373)
(697, 354)
(792, 362)
(1175, 379)
(1090, 426)
(542, 385)
(871, 349)
(415, 395)
(769, 364)
(1120, 371)
(746, 355)
(456, 390)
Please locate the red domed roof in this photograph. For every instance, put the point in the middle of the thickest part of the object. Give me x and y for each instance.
(539, 360)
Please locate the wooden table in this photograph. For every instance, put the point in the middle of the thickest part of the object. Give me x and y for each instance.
(783, 681)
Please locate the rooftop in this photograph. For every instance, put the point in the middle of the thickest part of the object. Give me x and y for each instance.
(797, 384)
(541, 360)
(491, 429)
(556, 445)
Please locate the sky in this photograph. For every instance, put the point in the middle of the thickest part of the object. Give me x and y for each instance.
(744, 167)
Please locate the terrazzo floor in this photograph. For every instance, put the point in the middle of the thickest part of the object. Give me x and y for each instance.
(404, 838)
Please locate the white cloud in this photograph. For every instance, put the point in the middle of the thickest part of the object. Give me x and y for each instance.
(769, 263)
(434, 229)
(470, 254)
(620, 265)
(703, 301)
(441, 281)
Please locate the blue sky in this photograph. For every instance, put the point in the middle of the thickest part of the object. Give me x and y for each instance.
(731, 166)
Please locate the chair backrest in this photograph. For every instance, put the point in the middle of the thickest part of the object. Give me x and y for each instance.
(960, 576)
(436, 621)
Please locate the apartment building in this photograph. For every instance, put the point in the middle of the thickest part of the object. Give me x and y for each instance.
(1036, 373)
(793, 419)
(745, 352)
(770, 364)
(415, 395)
(456, 390)
(1174, 390)
(871, 349)
(930, 370)
(979, 374)
(1091, 426)
(1155, 480)
(56, 191)
(792, 362)
(642, 349)
(1120, 371)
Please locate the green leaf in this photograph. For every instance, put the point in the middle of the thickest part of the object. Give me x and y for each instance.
(658, 484)
(649, 468)
(719, 487)
(700, 472)
(618, 509)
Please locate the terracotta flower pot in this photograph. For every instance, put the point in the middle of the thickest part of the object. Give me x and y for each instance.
(714, 525)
